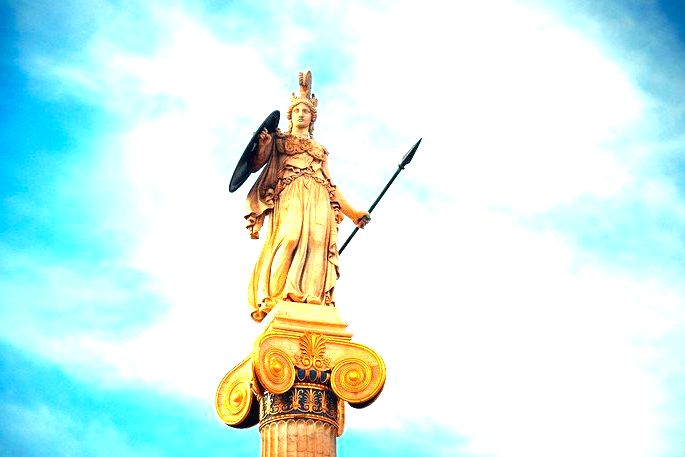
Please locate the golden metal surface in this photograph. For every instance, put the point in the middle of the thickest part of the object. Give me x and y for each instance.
(304, 337)
(234, 397)
(312, 353)
(359, 377)
(358, 372)
(304, 318)
(274, 369)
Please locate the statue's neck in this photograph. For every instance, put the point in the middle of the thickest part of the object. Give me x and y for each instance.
(300, 132)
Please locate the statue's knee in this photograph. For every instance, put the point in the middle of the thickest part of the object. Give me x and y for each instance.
(318, 234)
(291, 243)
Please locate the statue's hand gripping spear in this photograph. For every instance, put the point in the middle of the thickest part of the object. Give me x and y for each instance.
(405, 161)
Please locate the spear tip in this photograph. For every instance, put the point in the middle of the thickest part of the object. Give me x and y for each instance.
(410, 155)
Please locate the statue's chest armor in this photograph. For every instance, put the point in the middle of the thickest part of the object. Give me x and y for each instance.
(303, 161)
(301, 153)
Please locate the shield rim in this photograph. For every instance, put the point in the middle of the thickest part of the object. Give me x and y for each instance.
(242, 172)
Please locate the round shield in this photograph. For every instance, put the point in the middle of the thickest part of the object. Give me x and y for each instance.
(242, 170)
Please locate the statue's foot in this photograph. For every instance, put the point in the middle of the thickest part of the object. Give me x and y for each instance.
(258, 315)
(264, 308)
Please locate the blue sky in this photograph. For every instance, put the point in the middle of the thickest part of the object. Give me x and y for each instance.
(530, 259)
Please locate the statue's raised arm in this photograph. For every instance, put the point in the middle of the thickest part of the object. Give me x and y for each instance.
(299, 259)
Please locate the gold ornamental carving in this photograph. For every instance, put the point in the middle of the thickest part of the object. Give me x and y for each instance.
(360, 378)
(235, 402)
(313, 353)
(275, 369)
(357, 372)
(352, 376)
(303, 367)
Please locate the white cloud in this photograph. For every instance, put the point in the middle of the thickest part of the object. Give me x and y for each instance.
(517, 109)
(60, 433)
(531, 342)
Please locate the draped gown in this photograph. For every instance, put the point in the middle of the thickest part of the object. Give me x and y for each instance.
(299, 259)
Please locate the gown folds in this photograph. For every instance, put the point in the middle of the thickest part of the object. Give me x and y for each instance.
(299, 259)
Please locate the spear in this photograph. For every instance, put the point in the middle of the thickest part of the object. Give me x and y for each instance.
(405, 161)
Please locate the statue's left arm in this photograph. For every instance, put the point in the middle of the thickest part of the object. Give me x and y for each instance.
(263, 152)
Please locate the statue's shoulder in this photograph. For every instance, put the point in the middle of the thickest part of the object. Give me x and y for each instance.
(316, 146)
(318, 150)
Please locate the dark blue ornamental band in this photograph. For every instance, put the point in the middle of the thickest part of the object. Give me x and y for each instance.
(313, 376)
(310, 398)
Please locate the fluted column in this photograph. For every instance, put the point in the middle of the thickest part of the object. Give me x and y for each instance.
(298, 437)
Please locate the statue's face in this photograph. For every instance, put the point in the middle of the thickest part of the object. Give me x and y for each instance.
(301, 116)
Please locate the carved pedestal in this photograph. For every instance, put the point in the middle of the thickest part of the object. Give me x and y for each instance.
(302, 370)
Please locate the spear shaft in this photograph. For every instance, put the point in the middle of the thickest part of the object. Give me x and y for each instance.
(405, 161)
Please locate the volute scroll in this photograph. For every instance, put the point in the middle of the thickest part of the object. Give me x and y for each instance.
(235, 400)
